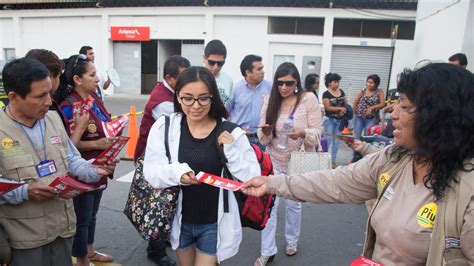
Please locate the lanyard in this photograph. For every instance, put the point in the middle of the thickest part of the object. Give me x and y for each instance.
(31, 142)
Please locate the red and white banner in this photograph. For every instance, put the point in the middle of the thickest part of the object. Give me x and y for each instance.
(130, 34)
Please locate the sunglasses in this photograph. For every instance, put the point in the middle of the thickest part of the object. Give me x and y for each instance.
(288, 83)
(212, 62)
(79, 56)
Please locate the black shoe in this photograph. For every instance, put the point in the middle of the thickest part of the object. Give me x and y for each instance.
(162, 261)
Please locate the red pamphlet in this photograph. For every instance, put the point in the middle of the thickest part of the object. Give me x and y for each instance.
(113, 127)
(69, 187)
(364, 261)
(111, 152)
(218, 181)
(348, 139)
(80, 107)
(7, 185)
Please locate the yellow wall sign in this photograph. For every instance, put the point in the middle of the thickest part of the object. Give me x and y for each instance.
(426, 215)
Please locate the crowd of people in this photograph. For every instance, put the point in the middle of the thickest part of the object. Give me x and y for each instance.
(422, 184)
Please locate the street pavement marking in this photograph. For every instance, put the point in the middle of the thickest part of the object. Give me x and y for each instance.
(127, 178)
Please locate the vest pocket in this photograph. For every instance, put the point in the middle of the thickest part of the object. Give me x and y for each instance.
(24, 222)
(19, 167)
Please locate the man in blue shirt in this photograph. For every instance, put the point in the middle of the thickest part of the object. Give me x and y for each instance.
(248, 95)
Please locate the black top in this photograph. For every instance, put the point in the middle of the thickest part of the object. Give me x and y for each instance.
(334, 101)
(200, 202)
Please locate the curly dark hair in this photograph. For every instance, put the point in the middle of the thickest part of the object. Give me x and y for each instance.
(444, 120)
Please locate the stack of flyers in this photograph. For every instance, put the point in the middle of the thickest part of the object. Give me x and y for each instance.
(111, 152)
(80, 107)
(218, 181)
(69, 187)
(7, 185)
(364, 261)
(115, 126)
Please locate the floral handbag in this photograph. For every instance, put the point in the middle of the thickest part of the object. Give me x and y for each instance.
(151, 210)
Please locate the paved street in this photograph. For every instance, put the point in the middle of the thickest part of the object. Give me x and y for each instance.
(332, 234)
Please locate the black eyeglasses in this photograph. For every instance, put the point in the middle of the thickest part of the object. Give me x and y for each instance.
(212, 62)
(79, 56)
(203, 100)
(288, 83)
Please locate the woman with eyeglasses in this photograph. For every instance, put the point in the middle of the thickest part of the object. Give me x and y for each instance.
(202, 233)
(288, 103)
(424, 183)
(335, 101)
(81, 76)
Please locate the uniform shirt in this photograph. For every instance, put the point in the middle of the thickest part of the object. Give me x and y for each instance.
(77, 165)
(401, 220)
(164, 108)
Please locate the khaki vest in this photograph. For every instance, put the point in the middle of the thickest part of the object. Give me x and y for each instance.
(449, 217)
(32, 224)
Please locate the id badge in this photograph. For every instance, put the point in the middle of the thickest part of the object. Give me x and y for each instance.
(46, 167)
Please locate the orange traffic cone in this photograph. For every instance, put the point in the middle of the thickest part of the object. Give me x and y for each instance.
(132, 133)
(346, 131)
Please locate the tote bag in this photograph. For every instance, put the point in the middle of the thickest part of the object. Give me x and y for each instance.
(302, 161)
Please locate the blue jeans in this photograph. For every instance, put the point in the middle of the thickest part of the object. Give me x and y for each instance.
(86, 207)
(362, 124)
(331, 126)
(204, 236)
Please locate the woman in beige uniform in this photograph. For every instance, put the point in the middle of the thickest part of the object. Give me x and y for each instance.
(424, 183)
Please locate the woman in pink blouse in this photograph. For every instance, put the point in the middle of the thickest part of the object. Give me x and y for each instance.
(288, 104)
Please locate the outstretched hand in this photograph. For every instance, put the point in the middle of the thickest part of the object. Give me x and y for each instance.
(256, 187)
(357, 145)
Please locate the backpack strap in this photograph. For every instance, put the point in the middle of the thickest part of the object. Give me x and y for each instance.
(221, 127)
(167, 145)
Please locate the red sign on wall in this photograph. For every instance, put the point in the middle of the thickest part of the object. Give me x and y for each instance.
(130, 33)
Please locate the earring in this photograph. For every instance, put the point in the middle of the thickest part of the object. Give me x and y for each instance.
(296, 90)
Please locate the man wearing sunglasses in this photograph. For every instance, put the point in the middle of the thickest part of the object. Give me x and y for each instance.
(214, 56)
(247, 97)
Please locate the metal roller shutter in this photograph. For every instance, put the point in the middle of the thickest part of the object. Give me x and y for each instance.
(355, 63)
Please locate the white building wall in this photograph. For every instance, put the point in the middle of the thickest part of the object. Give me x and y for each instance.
(7, 38)
(243, 30)
(441, 29)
